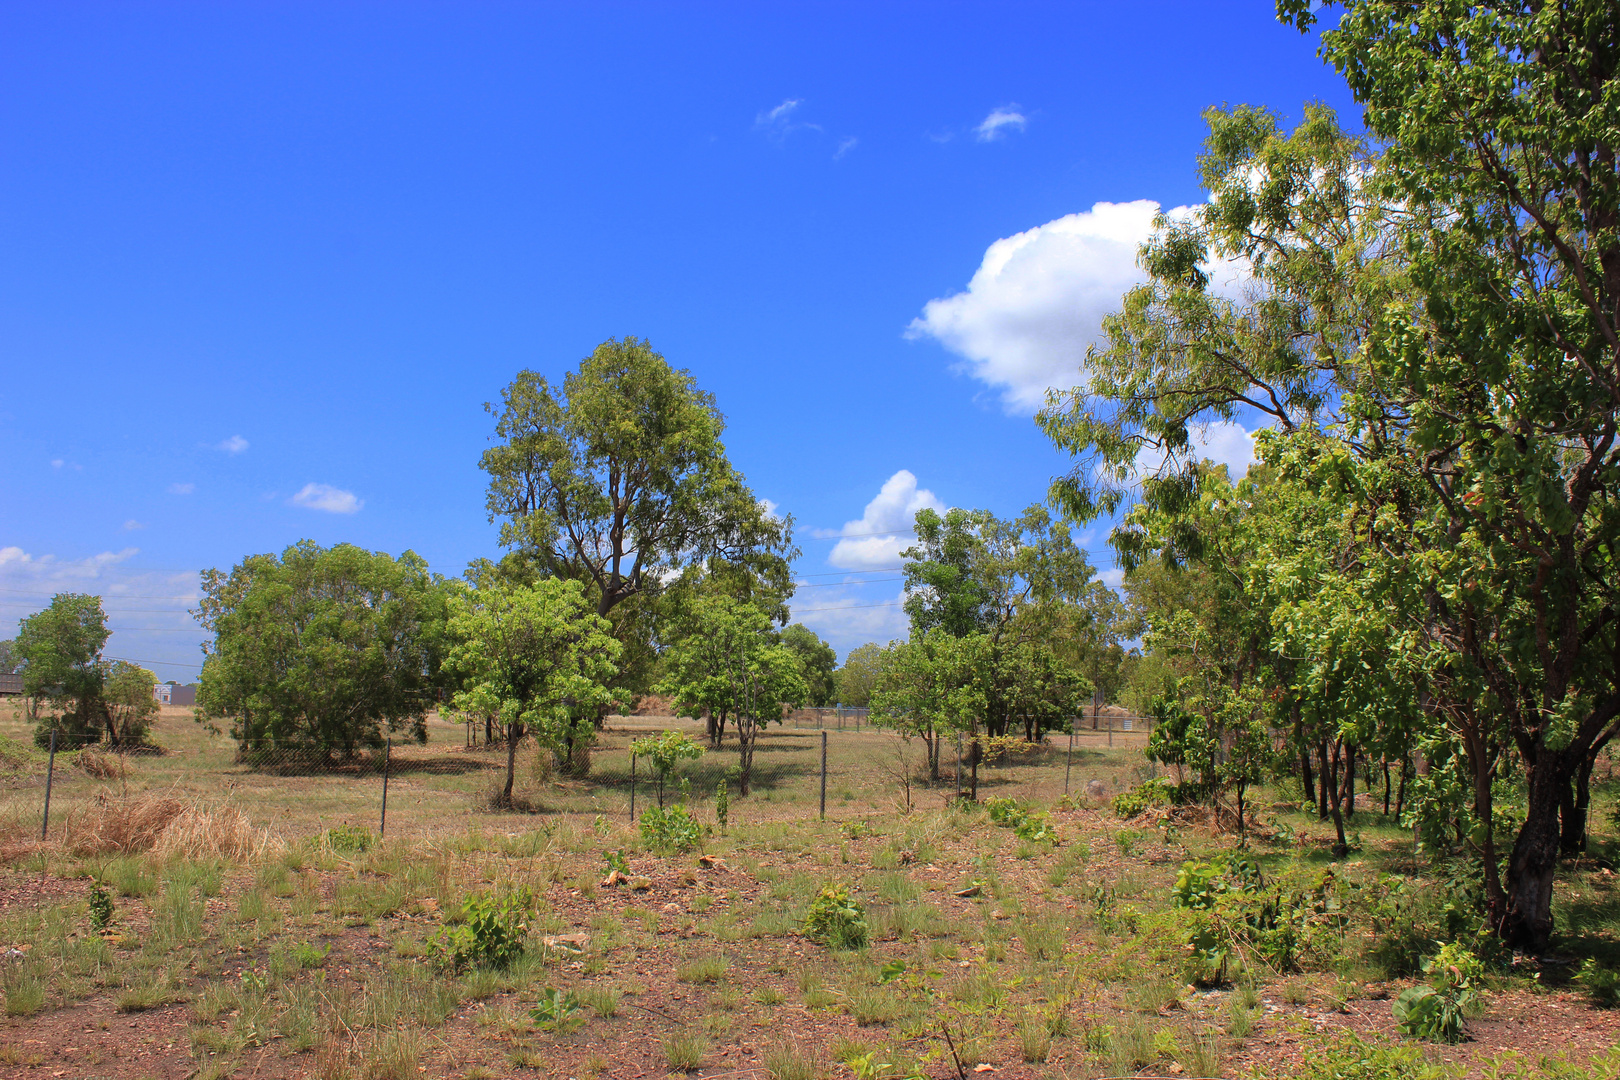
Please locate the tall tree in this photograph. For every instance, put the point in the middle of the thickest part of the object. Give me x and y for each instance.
(1501, 123)
(817, 660)
(322, 649)
(10, 662)
(130, 703)
(727, 662)
(860, 672)
(618, 478)
(60, 649)
(535, 657)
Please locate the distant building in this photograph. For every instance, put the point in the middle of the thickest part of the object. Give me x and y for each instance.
(10, 685)
(173, 693)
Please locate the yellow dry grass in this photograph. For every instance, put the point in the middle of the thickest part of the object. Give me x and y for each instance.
(165, 826)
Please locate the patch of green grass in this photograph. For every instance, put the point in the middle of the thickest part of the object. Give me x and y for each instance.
(784, 1061)
(602, 1000)
(684, 1050)
(703, 969)
(146, 994)
(873, 1005)
(25, 995)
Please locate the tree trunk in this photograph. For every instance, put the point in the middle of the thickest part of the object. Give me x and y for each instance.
(931, 740)
(1330, 782)
(1350, 782)
(1573, 811)
(1527, 923)
(745, 755)
(1305, 774)
(1322, 782)
(1386, 787)
(513, 734)
(1400, 795)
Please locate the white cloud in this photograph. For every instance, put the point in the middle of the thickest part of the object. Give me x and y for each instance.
(878, 536)
(326, 497)
(233, 445)
(182, 489)
(1037, 301)
(845, 147)
(1113, 578)
(57, 463)
(1001, 120)
(853, 617)
(131, 525)
(778, 123)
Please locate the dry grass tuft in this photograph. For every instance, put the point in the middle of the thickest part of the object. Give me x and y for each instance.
(102, 765)
(119, 825)
(165, 826)
(220, 831)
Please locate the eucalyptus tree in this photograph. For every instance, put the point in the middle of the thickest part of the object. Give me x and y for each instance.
(537, 658)
(1500, 122)
(859, 674)
(618, 479)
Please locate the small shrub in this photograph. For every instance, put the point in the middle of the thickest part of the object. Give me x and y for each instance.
(347, 839)
(1436, 1010)
(671, 830)
(722, 805)
(1200, 884)
(555, 1009)
(1602, 984)
(1128, 804)
(101, 907)
(835, 919)
(491, 932)
(1026, 824)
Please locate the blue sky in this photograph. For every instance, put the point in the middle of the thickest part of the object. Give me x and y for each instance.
(261, 265)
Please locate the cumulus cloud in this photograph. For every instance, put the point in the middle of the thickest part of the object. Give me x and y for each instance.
(853, 616)
(233, 445)
(1037, 301)
(182, 489)
(877, 537)
(1001, 120)
(328, 498)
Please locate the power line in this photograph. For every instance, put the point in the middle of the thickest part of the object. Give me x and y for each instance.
(875, 570)
(837, 584)
(849, 607)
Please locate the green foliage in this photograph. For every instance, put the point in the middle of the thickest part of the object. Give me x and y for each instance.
(817, 662)
(835, 919)
(100, 907)
(322, 648)
(554, 1008)
(615, 860)
(1600, 982)
(60, 652)
(1200, 884)
(665, 752)
(1026, 824)
(671, 829)
(1347, 1057)
(491, 932)
(1128, 804)
(618, 479)
(537, 658)
(858, 678)
(722, 804)
(347, 839)
(1436, 1010)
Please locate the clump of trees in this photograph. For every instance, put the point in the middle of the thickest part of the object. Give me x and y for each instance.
(323, 650)
(1007, 617)
(70, 689)
(1431, 333)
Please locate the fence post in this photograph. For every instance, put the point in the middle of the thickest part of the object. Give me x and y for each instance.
(388, 757)
(823, 774)
(1068, 765)
(50, 771)
(632, 787)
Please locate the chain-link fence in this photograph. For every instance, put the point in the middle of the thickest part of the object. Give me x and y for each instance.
(459, 777)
